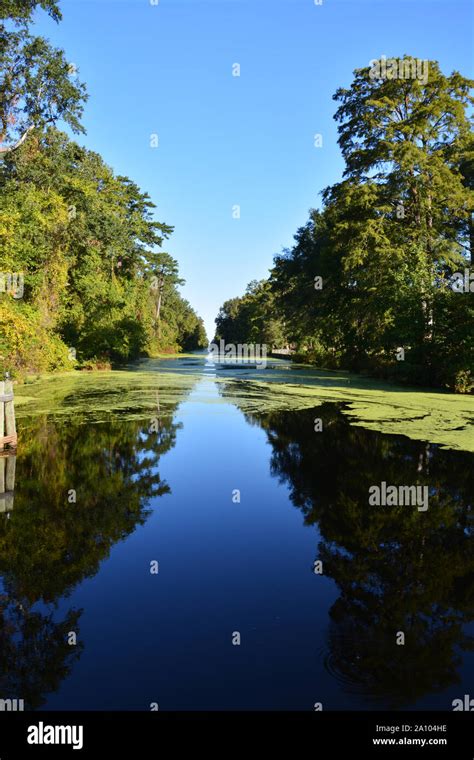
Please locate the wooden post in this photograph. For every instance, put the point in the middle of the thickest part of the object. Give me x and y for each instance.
(10, 427)
(10, 473)
(8, 438)
(2, 415)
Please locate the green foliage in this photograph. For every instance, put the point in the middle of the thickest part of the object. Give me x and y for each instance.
(38, 87)
(22, 10)
(251, 319)
(87, 242)
(26, 346)
(387, 242)
(463, 382)
(84, 239)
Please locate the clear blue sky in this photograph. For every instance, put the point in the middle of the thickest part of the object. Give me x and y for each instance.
(166, 69)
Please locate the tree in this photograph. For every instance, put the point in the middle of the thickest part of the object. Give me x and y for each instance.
(21, 11)
(370, 274)
(163, 271)
(405, 138)
(252, 318)
(85, 239)
(82, 236)
(38, 87)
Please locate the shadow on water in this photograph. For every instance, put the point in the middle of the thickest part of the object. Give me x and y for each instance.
(397, 569)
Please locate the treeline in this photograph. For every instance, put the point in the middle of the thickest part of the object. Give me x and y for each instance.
(380, 280)
(83, 277)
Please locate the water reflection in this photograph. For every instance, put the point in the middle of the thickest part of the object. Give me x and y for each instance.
(80, 488)
(7, 480)
(397, 569)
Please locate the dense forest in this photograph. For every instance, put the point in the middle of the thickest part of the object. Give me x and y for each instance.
(84, 280)
(380, 279)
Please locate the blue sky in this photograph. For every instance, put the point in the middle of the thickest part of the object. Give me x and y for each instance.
(166, 69)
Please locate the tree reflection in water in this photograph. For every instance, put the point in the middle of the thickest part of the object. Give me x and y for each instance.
(49, 543)
(397, 569)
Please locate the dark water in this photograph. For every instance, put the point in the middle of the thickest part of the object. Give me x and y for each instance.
(166, 495)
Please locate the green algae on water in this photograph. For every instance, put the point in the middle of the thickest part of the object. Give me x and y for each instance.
(446, 419)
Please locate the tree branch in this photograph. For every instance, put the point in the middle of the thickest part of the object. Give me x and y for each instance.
(15, 146)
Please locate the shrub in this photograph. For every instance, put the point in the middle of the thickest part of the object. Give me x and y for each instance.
(26, 346)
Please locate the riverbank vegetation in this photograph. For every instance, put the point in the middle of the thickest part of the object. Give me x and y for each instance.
(84, 279)
(380, 279)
